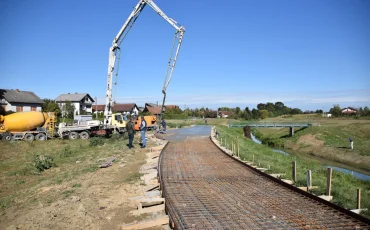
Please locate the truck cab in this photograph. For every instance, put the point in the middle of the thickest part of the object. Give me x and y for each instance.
(119, 121)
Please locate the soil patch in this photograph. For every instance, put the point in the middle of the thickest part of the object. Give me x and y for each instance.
(93, 200)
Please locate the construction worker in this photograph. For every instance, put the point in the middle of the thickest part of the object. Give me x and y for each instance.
(350, 142)
(143, 127)
(131, 132)
(164, 125)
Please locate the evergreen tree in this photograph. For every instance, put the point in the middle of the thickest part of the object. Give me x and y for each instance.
(247, 114)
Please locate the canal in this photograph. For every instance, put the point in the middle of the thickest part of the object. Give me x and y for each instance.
(358, 173)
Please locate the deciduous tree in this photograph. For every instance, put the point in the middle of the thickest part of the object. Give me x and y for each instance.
(263, 114)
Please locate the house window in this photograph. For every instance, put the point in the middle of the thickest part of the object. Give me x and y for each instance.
(19, 108)
(33, 108)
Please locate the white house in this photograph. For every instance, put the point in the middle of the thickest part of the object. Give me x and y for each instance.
(19, 101)
(82, 102)
(349, 110)
(224, 114)
(128, 109)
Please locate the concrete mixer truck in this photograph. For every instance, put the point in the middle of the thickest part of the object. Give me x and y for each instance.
(41, 126)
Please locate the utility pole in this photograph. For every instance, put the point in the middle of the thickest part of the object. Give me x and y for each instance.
(96, 107)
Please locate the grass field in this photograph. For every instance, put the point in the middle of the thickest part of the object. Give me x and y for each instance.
(20, 177)
(328, 138)
(72, 192)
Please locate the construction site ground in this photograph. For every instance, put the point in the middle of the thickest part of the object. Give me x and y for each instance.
(76, 193)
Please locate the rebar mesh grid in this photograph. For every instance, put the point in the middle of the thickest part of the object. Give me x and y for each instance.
(206, 189)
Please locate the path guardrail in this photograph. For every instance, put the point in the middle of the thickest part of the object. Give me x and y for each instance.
(268, 125)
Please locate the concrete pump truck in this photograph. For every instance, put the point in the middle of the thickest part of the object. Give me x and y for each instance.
(114, 56)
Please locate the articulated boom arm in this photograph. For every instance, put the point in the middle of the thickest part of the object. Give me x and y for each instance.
(114, 51)
(171, 63)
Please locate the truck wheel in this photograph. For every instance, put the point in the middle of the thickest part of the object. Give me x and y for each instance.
(40, 137)
(73, 135)
(7, 137)
(29, 137)
(84, 135)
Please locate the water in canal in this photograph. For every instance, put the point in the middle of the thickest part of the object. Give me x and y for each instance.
(359, 174)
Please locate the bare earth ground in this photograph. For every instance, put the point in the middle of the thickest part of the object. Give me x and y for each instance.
(93, 200)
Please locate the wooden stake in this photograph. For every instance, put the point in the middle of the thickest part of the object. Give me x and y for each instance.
(309, 179)
(328, 183)
(237, 138)
(358, 198)
(294, 171)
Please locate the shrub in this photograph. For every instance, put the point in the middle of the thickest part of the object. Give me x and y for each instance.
(66, 152)
(96, 141)
(43, 162)
(117, 136)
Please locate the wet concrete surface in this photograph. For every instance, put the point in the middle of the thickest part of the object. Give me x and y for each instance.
(174, 135)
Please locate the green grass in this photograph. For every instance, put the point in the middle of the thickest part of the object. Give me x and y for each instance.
(344, 186)
(21, 179)
(76, 186)
(334, 132)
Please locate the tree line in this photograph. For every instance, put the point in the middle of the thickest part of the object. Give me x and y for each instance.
(336, 111)
(263, 111)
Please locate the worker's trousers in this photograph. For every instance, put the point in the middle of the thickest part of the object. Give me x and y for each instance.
(143, 139)
(130, 140)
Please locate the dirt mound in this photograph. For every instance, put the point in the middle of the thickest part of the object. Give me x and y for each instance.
(307, 144)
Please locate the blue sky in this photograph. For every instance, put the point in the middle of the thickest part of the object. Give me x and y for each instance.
(307, 54)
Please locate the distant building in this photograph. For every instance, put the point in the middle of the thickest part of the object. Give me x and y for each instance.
(349, 110)
(224, 114)
(326, 115)
(172, 106)
(82, 102)
(98, 109)
(19, 101)
(141, 109)
(153, 109)
(128, 109)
